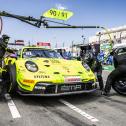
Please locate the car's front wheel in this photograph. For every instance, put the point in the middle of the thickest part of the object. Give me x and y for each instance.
(11, 78)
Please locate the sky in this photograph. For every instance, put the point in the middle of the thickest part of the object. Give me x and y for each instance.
(107, 13)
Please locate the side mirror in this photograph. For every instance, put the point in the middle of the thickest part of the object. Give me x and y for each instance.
(13, 56)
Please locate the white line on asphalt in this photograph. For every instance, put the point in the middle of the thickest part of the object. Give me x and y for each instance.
(13, 109)
(91, 118)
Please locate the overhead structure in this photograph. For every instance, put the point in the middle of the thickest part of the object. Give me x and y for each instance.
(42, 21)
(113, 30)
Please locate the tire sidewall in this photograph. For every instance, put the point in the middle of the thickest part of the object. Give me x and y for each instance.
(113, 86)
(11, 70)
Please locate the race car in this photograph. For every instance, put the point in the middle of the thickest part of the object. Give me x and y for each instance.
(37, 71)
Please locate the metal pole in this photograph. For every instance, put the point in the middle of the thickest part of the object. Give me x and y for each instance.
(56, 45)
(99, 37)
(29, 43)
(63, 44)
(72, 47)
(83, 39)
(121, 36)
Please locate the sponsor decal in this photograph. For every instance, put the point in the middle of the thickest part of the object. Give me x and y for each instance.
(41, 76)
(90, 75)
(54, 61)
(40, 87)
(46, 61)
(41, 72)
(66, 68)
(43, 44)
(28, 81)
(72, 79)
(68, 71)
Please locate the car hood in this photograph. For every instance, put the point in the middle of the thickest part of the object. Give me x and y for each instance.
(56, 69)
(61, 66)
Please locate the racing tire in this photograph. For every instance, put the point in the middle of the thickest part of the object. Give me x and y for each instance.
(120, 86)
(115, 63)
(11, 82)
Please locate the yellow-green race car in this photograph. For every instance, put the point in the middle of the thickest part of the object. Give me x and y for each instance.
(38, 71)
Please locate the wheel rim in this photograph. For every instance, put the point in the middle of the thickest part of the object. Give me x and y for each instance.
(120, 86)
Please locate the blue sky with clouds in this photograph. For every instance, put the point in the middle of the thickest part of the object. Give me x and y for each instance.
(108, 13)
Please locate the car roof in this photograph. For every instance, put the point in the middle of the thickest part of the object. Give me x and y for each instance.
(29, 47)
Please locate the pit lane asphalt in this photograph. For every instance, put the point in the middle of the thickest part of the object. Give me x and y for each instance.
(50, 111)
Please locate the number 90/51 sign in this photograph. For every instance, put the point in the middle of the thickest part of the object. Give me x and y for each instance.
(58, 14)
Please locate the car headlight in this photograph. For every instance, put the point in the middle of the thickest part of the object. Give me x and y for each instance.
(31, 66)
(86, 67)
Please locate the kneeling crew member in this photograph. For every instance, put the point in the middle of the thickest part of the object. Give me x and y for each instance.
(3, 49)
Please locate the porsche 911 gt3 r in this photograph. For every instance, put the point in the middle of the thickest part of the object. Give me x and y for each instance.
(43, 72)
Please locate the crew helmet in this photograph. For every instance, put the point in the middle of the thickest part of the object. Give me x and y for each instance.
(4, 36)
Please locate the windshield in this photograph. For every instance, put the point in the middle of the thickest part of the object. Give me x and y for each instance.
(43, 53)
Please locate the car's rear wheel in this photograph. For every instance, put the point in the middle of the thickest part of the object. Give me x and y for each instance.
(120, 85)
(11, 79)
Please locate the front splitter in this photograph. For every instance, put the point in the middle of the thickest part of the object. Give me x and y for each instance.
(59, 94)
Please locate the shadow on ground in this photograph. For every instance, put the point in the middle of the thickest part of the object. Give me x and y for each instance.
(74, 99)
